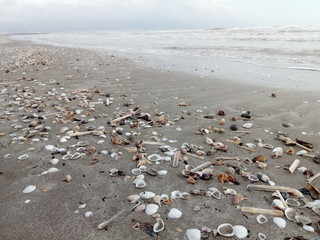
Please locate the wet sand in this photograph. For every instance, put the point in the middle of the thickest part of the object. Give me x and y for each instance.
(55, 77)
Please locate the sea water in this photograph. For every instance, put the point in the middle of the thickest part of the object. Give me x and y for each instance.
(287, 57)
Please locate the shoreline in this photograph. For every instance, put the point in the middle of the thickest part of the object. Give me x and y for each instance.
(48, 83)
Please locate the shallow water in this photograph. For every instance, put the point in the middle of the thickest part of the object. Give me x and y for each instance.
(276, 56)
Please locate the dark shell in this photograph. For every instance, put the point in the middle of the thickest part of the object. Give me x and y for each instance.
(233, 127)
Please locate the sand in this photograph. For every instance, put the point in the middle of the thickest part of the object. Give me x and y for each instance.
(53, 211)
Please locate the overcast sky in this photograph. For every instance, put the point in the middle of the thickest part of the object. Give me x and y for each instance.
(74, 15)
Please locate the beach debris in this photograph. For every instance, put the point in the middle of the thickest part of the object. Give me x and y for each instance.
(238, 198)
(293, 191)
(280, 222)
(262, 236)
(67, 178)
(151, 209)
(294, 166)
(122, 213)
(174, 213)
(158, 226)
(193, 234)
(263, 211)
(240, 231)
(277, 152)
(262, 219)
(29, 189)
(289, 142)
(226, 230)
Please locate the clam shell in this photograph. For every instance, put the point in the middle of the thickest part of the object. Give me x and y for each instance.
(193, 234)
(225, 229)
(185, 196)
(240, 231)
(175, 194)
(23, 157)
(229, 191)
(136, 171)
(158, 226)
(302, 220)
(162, 172)
(280, 222)
(215, 193)
(278, 204)
(164, 197)
(316, 209)
(308, 228)
(253, 178)
(140, 184)
(247, 125)
(154, 157)
(147, 195)
(292, 202)
(260, 158)
(133, 198)
(151, 209)
(277, 152)
(262, 219)
(261, 236)
(140, 208)
(301, 152)
(174, 213)
(290, 214)
(54, 161)
(29, 189)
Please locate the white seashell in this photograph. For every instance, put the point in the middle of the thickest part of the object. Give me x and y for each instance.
(302, 169)
(193, 234)
(316, 209)
(247, 125)
(174, 213)
(185, 196)
(262, 219)
(308, 228)
(261, 236)
(301, 152)
(240, 231)
(52, 170)
(226, 229)
(140, 208)
(151, 209)
(82, 205)
(88, 214)
(147, 195)
(251, 145)
(277, 152)
(162, 172)
(29, 189)
(290, 214)
(133, 198)
(63, 140)
(27, 201)
(302, 220)
(50, 148)
(280, 222)
(278, 204)
(164, 197)
(175, 194)
(158, 226)
(138, 178)
(136, 171)
(169, 153)
(314, 203)
(154, 157)
(23, 157)
(140, 184)
(230, 191)
(54, 161)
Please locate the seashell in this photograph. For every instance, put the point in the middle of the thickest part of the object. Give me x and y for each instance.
(88, 214)
(262, 219)
(140, 184)
(175, 194)
(174, 213)
(29, 189)
(278, 204)
(222, 121)
(113, 172)
(50, 148)
(229, 191)
(301, 152)
(251, 145)
(290, 151)
(136, 171)
(280, 222)
(164, 197)
(75, 156)
(230, 170)
(238, 198)
(52, 170)
(54, 161)
(23, 157)
(262, 165)
(316, 209)
(157, 199)
(240, 231)
(158, 226)
(154, 157)
(162, 172)
(308, 228)
(259, 158)
(197, 208)
(67, 178)
(302, 220)
(193, 234)
(292, 202)
(151, 209)
(225, 229)
(277, 152)
(253, 178)
(138, 178)
(262, 177)
(224, 177)
(82, 143)
(247, 125)
(290, 213)
(133, 198)
(215, 193)
(261, 236)
(185, 196)
(147, 195)
(140, 208)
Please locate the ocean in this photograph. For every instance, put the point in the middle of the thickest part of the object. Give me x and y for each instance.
(284, 57)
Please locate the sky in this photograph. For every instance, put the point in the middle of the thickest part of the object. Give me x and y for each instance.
(83, 15)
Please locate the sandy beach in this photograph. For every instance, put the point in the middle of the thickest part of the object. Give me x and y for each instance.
(49, 94)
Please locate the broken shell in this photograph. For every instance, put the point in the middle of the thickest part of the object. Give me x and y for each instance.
(193, 234)
(157, 199)
(230, 170)
(158, 226)
(280, 222)
(29, 189)
(262, 219)
(277, 152)
(292, 202)
(133, 198)
(54, 161)
(175, 194)
(140, 208)
(113, 172)
(151, 209)
(278, 204)
(215, 193)
(162, 172)
(290, 213)
(261, 236)
(259, 158)
(238, 198)
(302, 220)
(136, 171)
(174, 213)
(229, 191)
(67, 178)
(226, 230)
(301, 152)
(262, 165)
(185, 196)
(140, 184)
(154, 157)
(240, 231)
(316, 209)
(164, 197)
(147, 195)
(247, 125)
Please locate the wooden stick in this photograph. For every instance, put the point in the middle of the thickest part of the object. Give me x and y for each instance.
(278, 213)
(120, 214)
